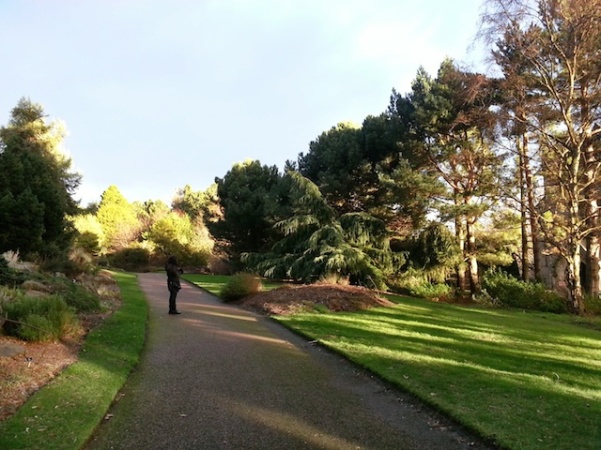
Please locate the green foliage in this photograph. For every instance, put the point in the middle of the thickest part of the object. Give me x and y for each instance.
(427, 283)
(510, 292)
(335, 164)
(36, 184)
(198, 205)
(499, 240)
(315, 243)
(118, 219)
(592, 305)
(132, 259)
(432, 291)
(176, 234)
(72, 264)
(44, 318)
(90, 234)
(435, 246)
(240, 285)
(252, 199)
(79, 298)
(8, 276)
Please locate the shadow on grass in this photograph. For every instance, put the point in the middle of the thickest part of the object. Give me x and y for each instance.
(526, 380)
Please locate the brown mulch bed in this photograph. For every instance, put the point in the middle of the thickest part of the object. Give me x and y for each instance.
(331, 297)
(23, 374)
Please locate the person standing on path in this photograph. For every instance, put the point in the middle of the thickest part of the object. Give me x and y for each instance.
(173, 283)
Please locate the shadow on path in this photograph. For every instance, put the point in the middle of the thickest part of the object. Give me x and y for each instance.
(219, 377)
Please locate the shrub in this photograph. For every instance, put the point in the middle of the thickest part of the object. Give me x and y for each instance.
(131, 259)
(592, 305)
(239, 286)
(44, 318)
(9, 276)
(432, 291)
(72, 264)
(508, 291)
(79, 298)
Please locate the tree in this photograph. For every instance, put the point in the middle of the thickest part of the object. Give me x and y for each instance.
(176, 234)
(251, 199)
(366, 169)
(450, 130)
(90, 235)
(316, 242)
(204, 204)
(118, 219)
(36, 183)
(558, 43)
(335, 163)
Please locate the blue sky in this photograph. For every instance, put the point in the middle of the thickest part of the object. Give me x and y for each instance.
(158, 94)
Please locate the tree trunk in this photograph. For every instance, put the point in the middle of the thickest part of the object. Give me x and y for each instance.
(472, 261)
(461, 269)
(525, 253)
(573, 281)
(532, 213)
(591, 208)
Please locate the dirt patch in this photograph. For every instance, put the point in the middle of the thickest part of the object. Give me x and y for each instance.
(326, 297)
(23, 374)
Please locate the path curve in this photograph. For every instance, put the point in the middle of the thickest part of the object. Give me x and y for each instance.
(219, 377)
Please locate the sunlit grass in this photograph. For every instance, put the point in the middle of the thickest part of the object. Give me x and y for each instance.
(63, 414)
(530, 381)
(214, 283)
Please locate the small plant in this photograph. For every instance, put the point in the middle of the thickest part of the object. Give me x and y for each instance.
(239, 286)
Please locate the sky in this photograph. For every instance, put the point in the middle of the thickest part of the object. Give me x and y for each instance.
(159, 94)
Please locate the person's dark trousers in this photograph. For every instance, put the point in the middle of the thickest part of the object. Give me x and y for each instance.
(172, 297)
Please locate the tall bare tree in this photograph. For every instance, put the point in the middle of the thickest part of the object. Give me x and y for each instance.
(559, 46)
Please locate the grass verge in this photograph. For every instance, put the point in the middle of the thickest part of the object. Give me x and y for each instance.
(529, 381)
(64, 413)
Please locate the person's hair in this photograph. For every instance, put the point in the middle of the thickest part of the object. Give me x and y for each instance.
(172, 260)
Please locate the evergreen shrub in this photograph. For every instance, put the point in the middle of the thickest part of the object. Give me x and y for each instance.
(240, 285)
(8, 276)
(510, 292)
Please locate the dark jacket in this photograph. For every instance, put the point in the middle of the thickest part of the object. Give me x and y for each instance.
(173, 272)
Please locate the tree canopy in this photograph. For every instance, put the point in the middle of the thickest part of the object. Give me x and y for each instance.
(36, 183)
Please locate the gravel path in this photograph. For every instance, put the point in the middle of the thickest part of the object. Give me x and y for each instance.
(219, 377)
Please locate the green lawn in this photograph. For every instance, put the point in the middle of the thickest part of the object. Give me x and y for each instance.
(531, 381)
(64, 414)
(214, 283)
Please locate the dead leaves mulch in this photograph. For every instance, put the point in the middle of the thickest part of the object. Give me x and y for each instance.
(23, 374)
(330, 297)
